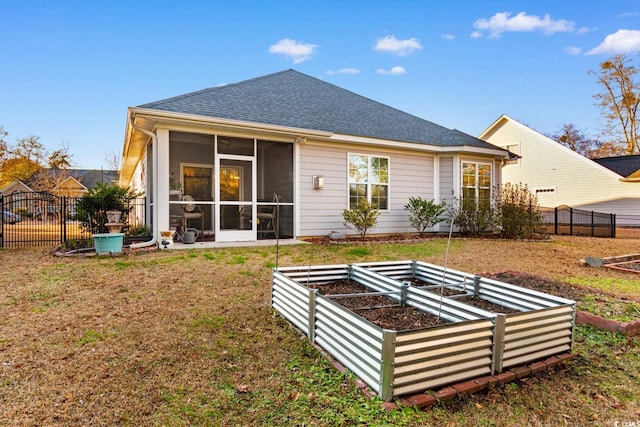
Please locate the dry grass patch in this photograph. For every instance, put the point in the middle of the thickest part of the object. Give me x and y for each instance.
(182, 338)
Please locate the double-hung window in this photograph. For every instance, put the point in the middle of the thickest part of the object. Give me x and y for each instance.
(369, 179)
(476, 183)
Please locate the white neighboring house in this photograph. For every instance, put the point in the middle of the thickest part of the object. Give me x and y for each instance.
(560, 176)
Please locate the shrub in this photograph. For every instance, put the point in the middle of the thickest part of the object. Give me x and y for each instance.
(362, 217)
(91, 209)
(424, 213)
(472, 217)
(520, 216)
(139, 230)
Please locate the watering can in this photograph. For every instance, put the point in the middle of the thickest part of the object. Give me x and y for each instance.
(190, 235)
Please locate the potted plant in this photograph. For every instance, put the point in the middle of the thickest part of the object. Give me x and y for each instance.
(175, 186)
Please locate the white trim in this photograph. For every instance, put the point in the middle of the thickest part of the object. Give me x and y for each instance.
(492, 177)
(296, 189)
(369, 156)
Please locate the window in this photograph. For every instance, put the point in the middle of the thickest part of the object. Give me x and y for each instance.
(515, 149)
(369, 179)
(476, 183)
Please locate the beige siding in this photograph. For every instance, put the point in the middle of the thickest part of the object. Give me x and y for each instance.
(574, 180)
(410, 174)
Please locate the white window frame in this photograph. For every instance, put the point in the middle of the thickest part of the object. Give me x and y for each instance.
(368, 181)
(477, 183)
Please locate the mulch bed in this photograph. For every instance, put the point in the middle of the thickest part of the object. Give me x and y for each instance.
(626, 263)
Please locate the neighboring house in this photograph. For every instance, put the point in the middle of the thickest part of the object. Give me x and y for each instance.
(75, 182)
(65, 182)
(316, 146)
(560, 176)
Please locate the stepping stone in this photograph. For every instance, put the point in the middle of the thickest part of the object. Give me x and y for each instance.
(593, 261)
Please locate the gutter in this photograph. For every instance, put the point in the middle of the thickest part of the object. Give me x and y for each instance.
(154, 154)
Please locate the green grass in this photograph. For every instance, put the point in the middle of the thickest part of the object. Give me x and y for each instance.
(90, 336)
(606, 284)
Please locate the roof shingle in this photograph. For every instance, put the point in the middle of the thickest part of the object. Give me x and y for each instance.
(293, 99)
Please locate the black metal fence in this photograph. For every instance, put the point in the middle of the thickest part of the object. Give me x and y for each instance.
(45, 219)
(565, 220)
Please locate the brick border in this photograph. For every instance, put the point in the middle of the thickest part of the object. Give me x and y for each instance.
(431, 397)
(449, 392)
(629, 329)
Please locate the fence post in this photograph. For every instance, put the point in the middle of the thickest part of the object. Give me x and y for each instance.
(63, 219)
(2, 223)
(555, 220)
(613, 225)
(570, 221)
(593, 226)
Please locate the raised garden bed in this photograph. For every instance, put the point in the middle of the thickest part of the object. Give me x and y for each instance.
(394, 361)
(412, 354)
(530, 325)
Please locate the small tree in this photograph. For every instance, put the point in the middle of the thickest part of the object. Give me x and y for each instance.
(520, 216)
(362, 217)
(91, 209)
(424, 213)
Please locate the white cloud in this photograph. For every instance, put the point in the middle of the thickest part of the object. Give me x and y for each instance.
(573, 50)
(585, 30)
(343, 71)
(296, 51)
(448, 36)
(390, 44)
(476, 35)
(396, 71)
(503, 22)
(622, 41)
(628, 14)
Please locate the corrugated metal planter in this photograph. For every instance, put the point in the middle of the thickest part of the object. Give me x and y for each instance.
(391, 362)
(543, 325)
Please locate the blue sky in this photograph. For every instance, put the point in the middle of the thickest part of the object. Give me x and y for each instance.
(70, 68)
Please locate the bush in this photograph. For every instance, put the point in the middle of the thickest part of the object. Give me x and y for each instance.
(473, 218)
(141, 230)
(520, 216)
(424, 213)
(91, 209)
(362, 217)
(513, 213)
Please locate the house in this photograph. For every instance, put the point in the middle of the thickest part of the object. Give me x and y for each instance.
(560, 176)
(230, 152)
(21, 196)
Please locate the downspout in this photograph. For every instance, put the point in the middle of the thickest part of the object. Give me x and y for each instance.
(154, 156)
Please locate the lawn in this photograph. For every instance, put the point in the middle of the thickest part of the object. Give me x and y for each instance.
(189, 338)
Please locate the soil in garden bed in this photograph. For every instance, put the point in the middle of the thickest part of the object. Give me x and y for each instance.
(378, 309)
(469, 299)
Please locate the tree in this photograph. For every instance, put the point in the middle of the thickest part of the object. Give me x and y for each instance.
(30, 148)
(60, 158)
(573, 139)
(113, 160)
(4, 145)
(619, 100)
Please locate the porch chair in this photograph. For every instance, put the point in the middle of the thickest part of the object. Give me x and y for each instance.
(268, 219)
(192, 211)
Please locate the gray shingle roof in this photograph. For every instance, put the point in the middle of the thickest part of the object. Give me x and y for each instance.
(293, 99)
(623, 165)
